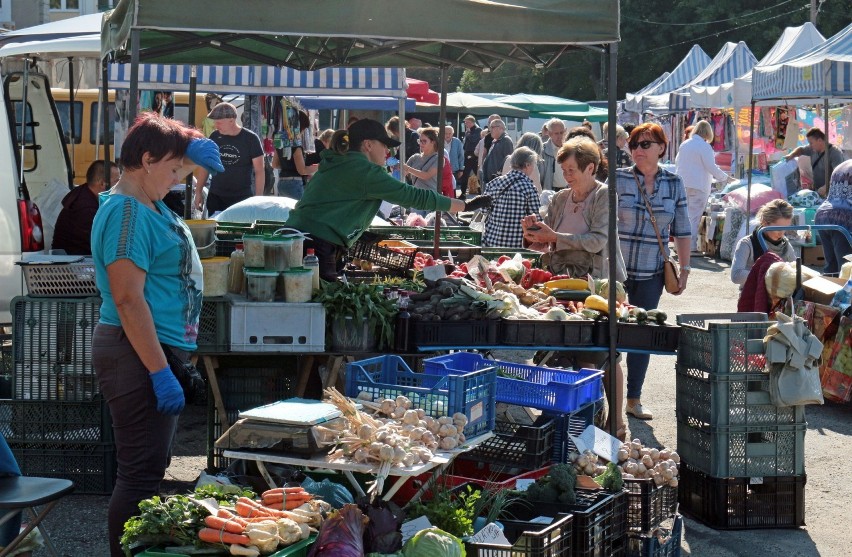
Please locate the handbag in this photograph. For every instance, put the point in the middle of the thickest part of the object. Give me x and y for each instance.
(670, 274)
(190, 379)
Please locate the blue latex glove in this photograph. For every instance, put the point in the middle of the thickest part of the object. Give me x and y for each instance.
(168, 392)
(205, 153)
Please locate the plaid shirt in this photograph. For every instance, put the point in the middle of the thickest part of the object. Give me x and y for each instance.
(638, 241)
(513, 197)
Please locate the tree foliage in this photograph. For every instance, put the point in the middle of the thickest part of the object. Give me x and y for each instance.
(655, 36)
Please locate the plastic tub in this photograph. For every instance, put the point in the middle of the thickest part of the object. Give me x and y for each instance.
(297, 249)
(215, 276)
(276, 253)
(253, 246)
(298, 285)
(260, 285)
(204, 235)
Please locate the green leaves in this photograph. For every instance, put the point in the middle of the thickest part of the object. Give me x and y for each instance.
(362, 301)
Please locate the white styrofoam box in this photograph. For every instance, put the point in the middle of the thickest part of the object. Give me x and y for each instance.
(276, 326)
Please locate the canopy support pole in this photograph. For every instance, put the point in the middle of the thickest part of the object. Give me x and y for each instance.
(827, 154)
(442, 119)
(611, 62)
(104, 106)
(189, 195)
(133, 97)
(71, 116)
(750, 155)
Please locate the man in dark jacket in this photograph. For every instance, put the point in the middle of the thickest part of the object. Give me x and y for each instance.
(472, 135)
(501, 147)
(74, 225)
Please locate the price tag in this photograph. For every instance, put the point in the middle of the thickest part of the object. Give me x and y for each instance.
(542, 519)
(599, 442)
(490, 534)
(408, 529)
(523, 484)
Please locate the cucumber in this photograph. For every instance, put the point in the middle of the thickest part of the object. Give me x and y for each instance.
(640, 314)
(590, 313)
(659, 316)
(570, 295)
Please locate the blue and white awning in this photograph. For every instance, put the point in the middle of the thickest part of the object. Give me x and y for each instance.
(825, 71)
(692, 64)
(265, 80)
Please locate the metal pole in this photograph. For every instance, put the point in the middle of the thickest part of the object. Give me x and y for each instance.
(189, 195)
(133, 97)
(612, 232)
(436, 241)
(827, 155)
(813, 11)
(750, 155)
(105, 114)
(71, 115)
(24, 95)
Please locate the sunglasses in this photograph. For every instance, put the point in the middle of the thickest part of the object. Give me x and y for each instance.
(644, 144)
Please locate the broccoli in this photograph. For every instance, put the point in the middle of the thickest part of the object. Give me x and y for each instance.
(556, 487)
(564, 477)
(611, 479)
(542, 491)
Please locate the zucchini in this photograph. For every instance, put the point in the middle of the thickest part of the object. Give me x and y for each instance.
(590, 313)
(639, 314)
(567, 295)
(656, 315)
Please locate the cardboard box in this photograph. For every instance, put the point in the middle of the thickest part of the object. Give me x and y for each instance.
(813, 256)
(822, 289)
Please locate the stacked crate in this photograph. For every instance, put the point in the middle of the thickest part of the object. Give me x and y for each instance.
(53, 415)
(742, 458)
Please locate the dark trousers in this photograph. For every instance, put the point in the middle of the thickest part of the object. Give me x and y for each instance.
(143, 436)
(471, 165)
(644, 294)
(330, 257)
(835, 246)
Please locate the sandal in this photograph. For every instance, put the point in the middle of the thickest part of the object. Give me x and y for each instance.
(638, 411)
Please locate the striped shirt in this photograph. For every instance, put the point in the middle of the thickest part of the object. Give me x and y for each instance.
(635, 231)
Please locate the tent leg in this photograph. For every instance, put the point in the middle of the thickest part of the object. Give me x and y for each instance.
(189, 195)
(750, 155)
(71, 118)
(134, 76)
(827, 152)
(105, 115)
(436, 241)
(612, 237)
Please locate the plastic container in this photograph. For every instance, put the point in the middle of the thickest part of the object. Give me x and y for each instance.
(260, 285)
(467, 334)
(572, 423)
(349, 336)
(297, 248)
(91, 466)
(298, 285)
(667, 545)
(215, 271)
(204, 235)
(529, 539)
(276, 327)
(527, 447)
(236, 271)
(214, 326)
(276, 253)
(62, 280)
(57, 422)
(722, 342)
(311, 261)
(648, 504)
(253, 246)
(535, 332)
(658, 338)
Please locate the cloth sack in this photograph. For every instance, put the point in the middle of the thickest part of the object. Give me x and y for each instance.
(792, 354)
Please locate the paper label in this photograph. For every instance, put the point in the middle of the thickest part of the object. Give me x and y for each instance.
(599, 442)
(490, 534)
(523, 484)
(542, 519)
(476, 412)
(408, 529)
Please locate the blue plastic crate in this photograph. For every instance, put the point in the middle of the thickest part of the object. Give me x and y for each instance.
(555, 390)
(651, 546)
(572, 423)
(439, 395)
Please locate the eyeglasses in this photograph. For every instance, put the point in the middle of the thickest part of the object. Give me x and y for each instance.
(424, 140)
(644, 144)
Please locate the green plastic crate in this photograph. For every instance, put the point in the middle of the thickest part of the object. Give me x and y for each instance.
(461, 251)
(494, 253)
(214, 326)
(449, 233)
(722, 342)
(299, 549)
(738, 451)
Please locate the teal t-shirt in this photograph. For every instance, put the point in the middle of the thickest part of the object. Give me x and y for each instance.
(161, 245)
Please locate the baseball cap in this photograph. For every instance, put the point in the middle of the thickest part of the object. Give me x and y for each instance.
(366, 128)
(223, 110)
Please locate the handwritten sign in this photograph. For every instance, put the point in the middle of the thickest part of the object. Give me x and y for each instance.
(411, 527)
(599, 442)
(491, 534)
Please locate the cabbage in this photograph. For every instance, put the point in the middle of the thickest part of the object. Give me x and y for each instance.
(433, 542)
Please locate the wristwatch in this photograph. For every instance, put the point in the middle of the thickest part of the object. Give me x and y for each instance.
(686, 268)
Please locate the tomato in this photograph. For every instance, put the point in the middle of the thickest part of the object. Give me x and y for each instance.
(463, 267)
(527, 263)
(502, 259)
(430, 262)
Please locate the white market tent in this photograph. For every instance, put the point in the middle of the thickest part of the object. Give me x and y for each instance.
(737, 93)
(733, 60)
(691, 65)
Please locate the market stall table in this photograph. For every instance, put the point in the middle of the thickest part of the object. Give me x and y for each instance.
(439, 462)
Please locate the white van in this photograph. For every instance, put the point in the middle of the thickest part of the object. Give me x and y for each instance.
(33, 162)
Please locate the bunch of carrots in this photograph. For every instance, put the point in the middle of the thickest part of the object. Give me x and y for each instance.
(228, 527)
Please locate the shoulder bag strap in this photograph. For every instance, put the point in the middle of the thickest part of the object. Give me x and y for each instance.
(424, 166)
(651, 213)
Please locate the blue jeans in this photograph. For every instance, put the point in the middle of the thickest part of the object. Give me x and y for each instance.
(292, 187)
(835, 246)
(644, 294)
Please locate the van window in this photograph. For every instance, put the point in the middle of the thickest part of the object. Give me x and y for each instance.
(62, 107)
(96, 130)
(30, 154)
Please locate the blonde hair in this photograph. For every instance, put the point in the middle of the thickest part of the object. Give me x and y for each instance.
(774, 211)
(704, 130)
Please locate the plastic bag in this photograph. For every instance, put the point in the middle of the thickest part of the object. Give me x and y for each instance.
(792, 353)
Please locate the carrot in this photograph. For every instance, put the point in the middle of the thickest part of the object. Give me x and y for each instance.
(246, 510)
(288, 505)
(222, 524)
(210, 535)
(281, 497)
(228, 515)
(277, 490)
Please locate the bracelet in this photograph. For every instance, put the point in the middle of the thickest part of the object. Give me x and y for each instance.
(686, 268)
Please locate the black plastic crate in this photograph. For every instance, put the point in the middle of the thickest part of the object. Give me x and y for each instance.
(648, 504)
(663, 542)
(50, 421)
(466, 334)
(461, 251)
(245, 383)
(529, 539)
(214, 326)
(574, 424)
(393, 262)
(742, 503)
(52, 348)
(648, 337)
(533, 332)
(526, 447)
(598, 528)
(91, 466)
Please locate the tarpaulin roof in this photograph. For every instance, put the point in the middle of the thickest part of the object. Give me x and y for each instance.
(540, 104)
(477, 106)
(71, 27)
(737, 93)
(307, 34)
(825, 71)
(733, 60)
(691, 65)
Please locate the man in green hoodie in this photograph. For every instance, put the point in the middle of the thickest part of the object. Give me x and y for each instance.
(344, 195)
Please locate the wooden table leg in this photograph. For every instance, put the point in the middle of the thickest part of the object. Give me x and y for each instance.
(210, 365)
(334, 364)
(261, 467)
(305, 366)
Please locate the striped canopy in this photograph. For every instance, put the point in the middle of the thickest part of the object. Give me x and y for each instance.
(691, 65)
(733, 60)
(265, 80)
(825, 71)
(793, 42)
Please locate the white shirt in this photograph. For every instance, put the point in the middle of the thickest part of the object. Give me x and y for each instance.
(696, 164)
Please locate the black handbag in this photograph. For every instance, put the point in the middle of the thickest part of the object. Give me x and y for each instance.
(190, 379)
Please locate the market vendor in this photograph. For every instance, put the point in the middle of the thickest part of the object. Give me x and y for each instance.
(348, 188)
(816, 150)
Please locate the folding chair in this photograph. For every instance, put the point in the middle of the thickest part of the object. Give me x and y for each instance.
(21, 493)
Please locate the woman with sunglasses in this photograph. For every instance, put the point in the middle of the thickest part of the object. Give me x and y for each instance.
(638, 186)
